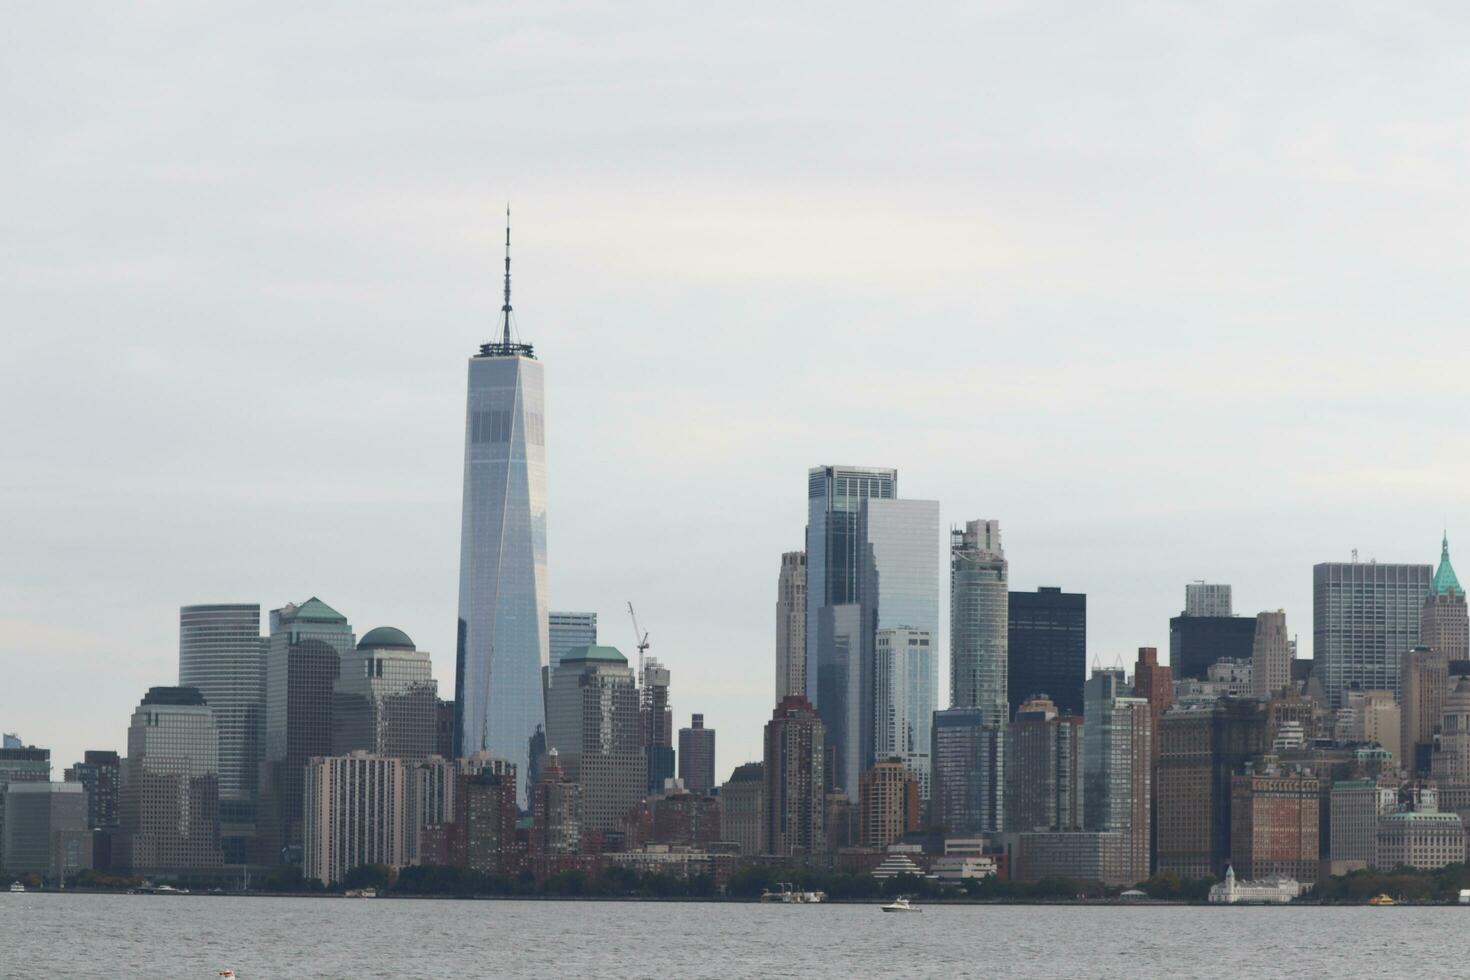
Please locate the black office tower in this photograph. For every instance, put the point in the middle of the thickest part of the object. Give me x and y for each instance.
(1047, 648)
(1195, 642)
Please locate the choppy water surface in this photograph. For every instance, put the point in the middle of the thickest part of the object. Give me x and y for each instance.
(196, 936)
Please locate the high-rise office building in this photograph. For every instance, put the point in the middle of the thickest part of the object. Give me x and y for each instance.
(697, 757)
(1354, 808)
(1155, 684)
(307, 645)
(795, 763)
(967, 781)
(1450, 764)
(1270, 656)
(385, 701)
(46, 830)
(357, 813)
(1207, 599)
(569, 630)
(1275, 818)
(1201, 746)
(743, 808)
(1043, 769)
(838, 679)
(1444, 623)
(593, 721)
(657, 721)
(100, 773)
(18, 764)
(903, 700)
(979, 614)
(1197, 642)
(1117, 765)
(898, 543)
(1365, 617)
(1046, 640)
(504, 639)
(444, 729)
(1424, 684)
(222, 656)
(888, 803)
(170, 788)
(791, 625)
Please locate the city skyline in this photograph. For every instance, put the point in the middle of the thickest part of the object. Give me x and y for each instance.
(263, 359)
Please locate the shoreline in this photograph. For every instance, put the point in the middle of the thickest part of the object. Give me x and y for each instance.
(945, 903)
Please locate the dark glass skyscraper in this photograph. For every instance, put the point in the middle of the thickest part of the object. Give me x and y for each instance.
(838, 631)
(307, 645)
(1196, 642)
(1047, 652)
(503, 636)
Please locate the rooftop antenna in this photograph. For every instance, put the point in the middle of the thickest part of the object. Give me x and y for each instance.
(505, 309)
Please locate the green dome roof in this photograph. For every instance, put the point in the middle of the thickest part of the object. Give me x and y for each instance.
(385, 636)
(1445, 582)
(604, 654)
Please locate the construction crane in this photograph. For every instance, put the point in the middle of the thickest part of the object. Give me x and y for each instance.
(641, 639)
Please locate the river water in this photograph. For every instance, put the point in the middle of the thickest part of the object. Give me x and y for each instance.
(48, 935)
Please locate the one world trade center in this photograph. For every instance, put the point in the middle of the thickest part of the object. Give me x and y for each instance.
(503, 640)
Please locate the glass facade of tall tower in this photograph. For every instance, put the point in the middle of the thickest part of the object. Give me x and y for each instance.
(569, 630)
(222, 655)
(503, 635)
(900, 591)
(979, 612)
(838, 629)
(904, 678)
(1046, 648)
(1117, 765)
(307, 645)
(1365, 618)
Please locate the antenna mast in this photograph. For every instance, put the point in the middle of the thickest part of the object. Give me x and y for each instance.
(505, 308)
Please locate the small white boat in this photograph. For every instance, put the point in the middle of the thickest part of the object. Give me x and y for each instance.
(16, 888)
(900, 904)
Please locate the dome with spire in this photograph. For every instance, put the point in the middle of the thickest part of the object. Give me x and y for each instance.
(1445, 582)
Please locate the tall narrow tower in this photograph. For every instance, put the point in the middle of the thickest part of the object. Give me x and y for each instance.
(503, 638)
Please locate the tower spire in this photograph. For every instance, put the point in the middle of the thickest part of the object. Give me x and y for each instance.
(505, 346)
(505, 309)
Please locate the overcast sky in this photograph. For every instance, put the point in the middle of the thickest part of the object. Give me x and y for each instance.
(1174, 291)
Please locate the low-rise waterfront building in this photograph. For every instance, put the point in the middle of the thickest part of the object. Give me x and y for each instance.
(1085, 855)
(1271, 890)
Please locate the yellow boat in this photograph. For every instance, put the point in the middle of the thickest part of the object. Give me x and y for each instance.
(1381, 900)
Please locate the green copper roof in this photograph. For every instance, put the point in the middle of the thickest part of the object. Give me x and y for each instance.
(385, 636)
(606, 654)
(1445, 582)
(315, 610)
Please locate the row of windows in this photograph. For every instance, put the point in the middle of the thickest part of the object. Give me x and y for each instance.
(494, 425)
